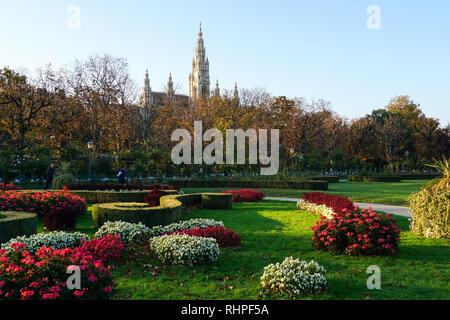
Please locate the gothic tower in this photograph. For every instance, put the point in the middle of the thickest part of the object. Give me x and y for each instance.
(146, 98)
(170, 90)
(217, 89)
(199, 86)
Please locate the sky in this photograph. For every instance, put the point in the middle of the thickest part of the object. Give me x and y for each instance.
(358, 59)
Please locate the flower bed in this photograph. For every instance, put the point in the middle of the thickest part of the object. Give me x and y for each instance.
(337, 203)
(294, 278)
(8, 186)
(357, 232)
(128, 232)
(41, 203)
(152, 199)
(224, 237)
(186, 225)
(43, 275)
(321, 210)
(183, 249)
(245, 195)
(120, 187)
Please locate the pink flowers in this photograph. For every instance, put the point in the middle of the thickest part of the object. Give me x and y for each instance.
(224, 237)
(337, 203)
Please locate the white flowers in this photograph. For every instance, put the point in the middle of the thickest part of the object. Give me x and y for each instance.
(322, 210)
(128, 232)
(57, 240)
(187, 225)
(294, 277)
(184, 249)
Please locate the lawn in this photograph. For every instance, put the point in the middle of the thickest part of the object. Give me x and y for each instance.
(271, 231)
(394, 193)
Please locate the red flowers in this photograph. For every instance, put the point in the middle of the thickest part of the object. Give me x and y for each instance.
(353, 233)
(41, 203)
(246, 195)
(153, 197)
(119, 187)
(46, 277)
(224, 237)
(9, 186)
(337, 203)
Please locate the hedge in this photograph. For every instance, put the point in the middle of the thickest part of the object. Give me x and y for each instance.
(94, 197)
(329, 179)
(242, 184)
(374, 178)
(430, 212)
(168, 212)
(14, 224)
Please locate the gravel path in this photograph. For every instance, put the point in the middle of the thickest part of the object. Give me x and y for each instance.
(397, 210)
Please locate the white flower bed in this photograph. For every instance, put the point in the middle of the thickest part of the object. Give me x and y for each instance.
(186, 225)
(322, 210)
(55, 239)
(294, 277)
(184, 249)
(128, 232)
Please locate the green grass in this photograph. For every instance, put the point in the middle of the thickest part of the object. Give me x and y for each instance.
(273, 230)
(394, 193)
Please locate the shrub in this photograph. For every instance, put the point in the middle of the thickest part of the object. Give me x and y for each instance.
(13, 224)
(186, 225)
(294, 278)
(217, 201)
(128, 232)
(43, 275)
(56, 240)
(430, 210)
(274, 184)
(337, 203)
(152, 199)
(41, 203)
(63, 180)
(96, 197)
(61, 219)
(321, 210)
(357, 232)
(224, 237)
(8, 186)
(246, 195)
(182, 249)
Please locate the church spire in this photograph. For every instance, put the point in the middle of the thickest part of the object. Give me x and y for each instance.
(170, 90)
(235, 92)
(199, 85)
(217, 89)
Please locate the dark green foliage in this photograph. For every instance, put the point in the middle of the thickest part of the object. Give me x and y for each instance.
(14, 224)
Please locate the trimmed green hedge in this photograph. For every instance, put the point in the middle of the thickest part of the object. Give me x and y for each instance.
(374, 178)
(94, 197)
(242, 184)
(169, 210)
(14, 224)
(329, 179)
(431, 213)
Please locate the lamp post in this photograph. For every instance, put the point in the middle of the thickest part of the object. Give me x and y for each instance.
(90, 146)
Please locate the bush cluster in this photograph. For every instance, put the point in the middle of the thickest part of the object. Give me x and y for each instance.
(152, 199)
(183, 249)
(337, 203)
(245, 195)
(430, 210)
(119, 187)
(294, 278)
(224, 237)
(128, 232)
(357, 232)
(61, 219)
(56, 240)
(42, 275)
(321, 210)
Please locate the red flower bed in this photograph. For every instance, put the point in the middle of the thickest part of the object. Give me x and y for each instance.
(119, 187)
(43, 275)
(41, 203)
(357, 232)
(9, 186)
(61, 219)
(153, 197)
(246, 195)
(224, 237)
(337, 203)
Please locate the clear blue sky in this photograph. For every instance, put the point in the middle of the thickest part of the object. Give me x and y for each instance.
(315, 49)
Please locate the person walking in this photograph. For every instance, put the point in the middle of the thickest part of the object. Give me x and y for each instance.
(121, 176)
(49, 175)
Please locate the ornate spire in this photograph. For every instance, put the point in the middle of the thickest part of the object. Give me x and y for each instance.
(235, 92)
(199, 85)
(170, 90)
(217, 89)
